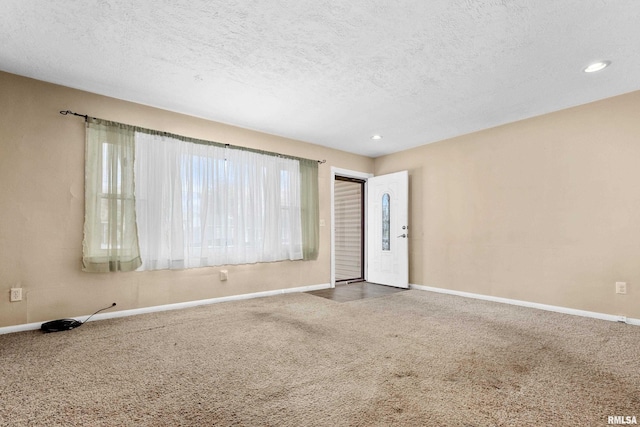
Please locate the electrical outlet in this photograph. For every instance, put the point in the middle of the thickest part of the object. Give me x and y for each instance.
(16, 294)
(621, 287)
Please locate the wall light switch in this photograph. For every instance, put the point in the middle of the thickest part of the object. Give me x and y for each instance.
(621, 287)
(224, 275)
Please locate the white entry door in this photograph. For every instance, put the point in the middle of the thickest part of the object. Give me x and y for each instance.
(387, 229)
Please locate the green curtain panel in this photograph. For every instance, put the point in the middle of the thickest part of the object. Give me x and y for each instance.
(110, 233)
(310, 209)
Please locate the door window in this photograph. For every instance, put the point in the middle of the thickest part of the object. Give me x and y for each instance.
(386, 222)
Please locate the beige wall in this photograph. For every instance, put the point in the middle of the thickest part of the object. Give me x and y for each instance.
(41, 208)
(544, 210)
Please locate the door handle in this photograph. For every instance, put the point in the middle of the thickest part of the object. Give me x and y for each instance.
(403, 235)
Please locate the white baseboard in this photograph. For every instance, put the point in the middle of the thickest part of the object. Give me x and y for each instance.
(554, 308)
(176, 306)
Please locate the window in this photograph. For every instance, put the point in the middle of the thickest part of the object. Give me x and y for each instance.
(194, 203)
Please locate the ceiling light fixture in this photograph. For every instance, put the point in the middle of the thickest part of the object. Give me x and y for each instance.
(376, 137)
(597, 66)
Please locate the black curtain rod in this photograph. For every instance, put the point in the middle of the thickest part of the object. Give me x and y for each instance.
(67, 112)
(86, 117)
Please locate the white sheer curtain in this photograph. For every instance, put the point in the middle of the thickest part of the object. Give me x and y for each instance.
(203, 205)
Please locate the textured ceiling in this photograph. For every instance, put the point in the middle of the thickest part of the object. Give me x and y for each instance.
(333, 72)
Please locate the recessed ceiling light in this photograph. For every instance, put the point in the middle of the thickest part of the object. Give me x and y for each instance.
(597, 66)
(376, 137)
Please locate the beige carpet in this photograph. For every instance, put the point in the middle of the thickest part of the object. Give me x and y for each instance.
(409, 359)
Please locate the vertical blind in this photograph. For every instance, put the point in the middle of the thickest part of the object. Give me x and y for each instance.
(348, 229)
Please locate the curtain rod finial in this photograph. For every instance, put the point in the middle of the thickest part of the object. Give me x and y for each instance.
(67, 112)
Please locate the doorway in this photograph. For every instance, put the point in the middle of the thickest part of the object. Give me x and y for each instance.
(349, 229)
(386, 232)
